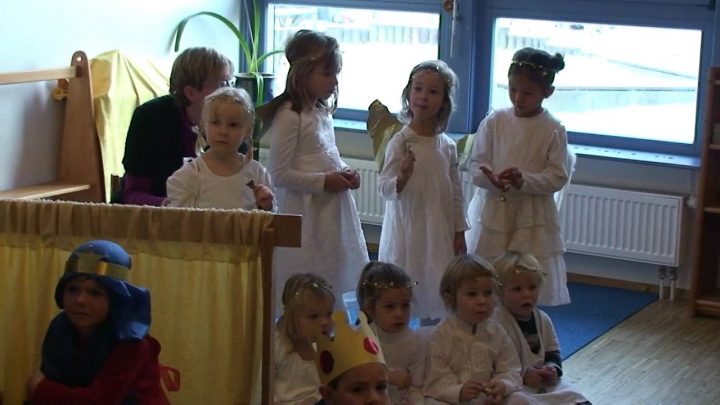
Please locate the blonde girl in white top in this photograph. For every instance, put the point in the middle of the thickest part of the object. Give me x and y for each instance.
(310, 177)
(221, 176)
(308, 304)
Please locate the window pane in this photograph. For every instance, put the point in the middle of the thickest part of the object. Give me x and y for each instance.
(627, 81)
(379, 47)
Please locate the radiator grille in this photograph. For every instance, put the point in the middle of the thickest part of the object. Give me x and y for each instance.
(622, 224)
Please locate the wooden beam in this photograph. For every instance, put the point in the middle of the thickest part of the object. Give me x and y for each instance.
(38, 75)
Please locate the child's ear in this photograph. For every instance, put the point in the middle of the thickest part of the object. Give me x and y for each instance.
(549, 91)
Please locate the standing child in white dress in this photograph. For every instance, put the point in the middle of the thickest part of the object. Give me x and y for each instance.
(385, 293)
(531, 330)
(310, 178)
(471, 358)
(308, 305)
(519, 158)
(222, 177)
(424, 224)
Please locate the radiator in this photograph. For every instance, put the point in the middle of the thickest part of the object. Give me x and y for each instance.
(598, 221)
(622, 224)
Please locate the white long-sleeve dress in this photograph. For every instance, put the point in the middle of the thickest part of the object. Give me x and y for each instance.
(404, 350)
(562, 393)
(421, 221)
(302, 151)
(296, 380)
(457, 354)
(195, 185)
(525, 220)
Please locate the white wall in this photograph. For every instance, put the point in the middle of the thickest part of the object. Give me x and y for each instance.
(40, 34)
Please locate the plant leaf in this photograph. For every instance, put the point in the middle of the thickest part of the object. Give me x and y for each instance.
(244, 45)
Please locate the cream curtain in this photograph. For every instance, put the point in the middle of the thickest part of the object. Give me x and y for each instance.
(203, 269)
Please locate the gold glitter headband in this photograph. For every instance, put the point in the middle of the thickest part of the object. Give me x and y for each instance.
(387, 286)
(315, 285)
(545, 70)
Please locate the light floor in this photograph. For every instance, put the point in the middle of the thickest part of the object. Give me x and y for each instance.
(658, 356)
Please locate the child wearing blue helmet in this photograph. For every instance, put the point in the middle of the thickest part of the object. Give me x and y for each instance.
(98, 350)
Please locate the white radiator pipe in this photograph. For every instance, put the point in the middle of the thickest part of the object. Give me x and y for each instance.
(662, 274)
(673, 279)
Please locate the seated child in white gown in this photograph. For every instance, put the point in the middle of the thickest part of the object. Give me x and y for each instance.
(221, 176)
(532, 331)
(471, 359)
(385, 293)
(308, 305)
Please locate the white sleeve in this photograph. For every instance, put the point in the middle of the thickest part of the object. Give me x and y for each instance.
(481, 155)
(555, 174)
(182, 186)
(549, 338)
(440, 381)
(263, 178)
(284, 135)
(461, 221)
(507, 367)
(417, 369)
(387, 179)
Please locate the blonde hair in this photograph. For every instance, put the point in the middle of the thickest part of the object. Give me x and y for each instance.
(377, 277)
(224, 95)
(193, 67)
(514, 263)
(298, 290)
(448, 106)
(460, 269)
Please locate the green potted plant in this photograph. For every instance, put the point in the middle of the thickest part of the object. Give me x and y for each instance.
(252, 79)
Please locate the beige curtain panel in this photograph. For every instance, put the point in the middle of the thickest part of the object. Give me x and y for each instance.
(208, 272)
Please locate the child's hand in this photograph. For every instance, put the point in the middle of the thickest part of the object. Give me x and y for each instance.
(470, 390)
(549, 375)
(400, 378)
(352, 176)
(33, 381)
(533, 377)
(335, 182)
(513, 176)
(501, 184)
(264, 197)
(459, 246)
(407, 164)
(495, 391)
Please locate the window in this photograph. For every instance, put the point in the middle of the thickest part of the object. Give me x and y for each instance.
(622, 81)
(379, 48)
(634, 76)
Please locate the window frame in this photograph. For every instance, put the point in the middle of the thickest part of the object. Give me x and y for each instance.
(471, 58)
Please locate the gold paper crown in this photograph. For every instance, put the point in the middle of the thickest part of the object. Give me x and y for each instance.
(348, 348)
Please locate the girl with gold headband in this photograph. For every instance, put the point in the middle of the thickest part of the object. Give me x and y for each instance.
(308, 303)
(385, 295)
(98, 350)
(424, 224)
(519, 160)
(310, 178)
